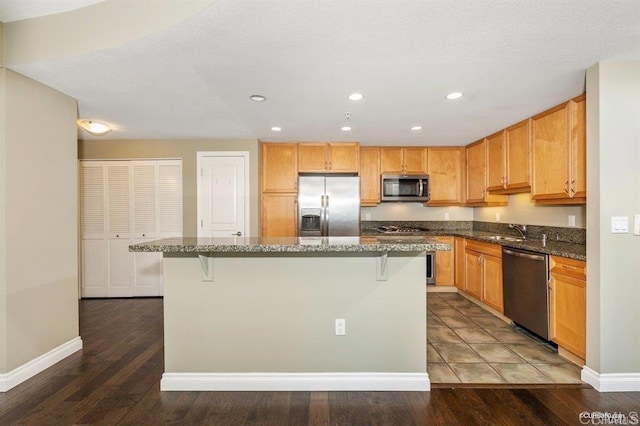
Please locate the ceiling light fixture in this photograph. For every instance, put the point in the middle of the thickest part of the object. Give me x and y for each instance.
(257, 98)
(416, 128)
(345, 128)
(276, 129)
(454, 95)
(94, 127)
(356, 96)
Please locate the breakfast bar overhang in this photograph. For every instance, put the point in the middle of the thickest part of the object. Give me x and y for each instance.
(259, 314)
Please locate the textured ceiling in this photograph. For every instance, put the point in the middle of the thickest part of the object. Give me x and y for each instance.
(511, 58)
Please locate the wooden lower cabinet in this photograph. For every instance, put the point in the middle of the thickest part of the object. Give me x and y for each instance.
(567, 304)
(483, 273)
(279, 215)
(445, 263)
(459, 244)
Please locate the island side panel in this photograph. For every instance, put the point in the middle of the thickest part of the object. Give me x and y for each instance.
(276, 313)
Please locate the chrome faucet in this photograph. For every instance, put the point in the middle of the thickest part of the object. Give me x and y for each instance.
(522, 229)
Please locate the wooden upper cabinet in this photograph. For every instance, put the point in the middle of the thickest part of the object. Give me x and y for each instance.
(476, 188)
(558, 147)
(369, 176)
(445, 169)
(330, 157)
(279, 167)
(496, 176)
(403, 160)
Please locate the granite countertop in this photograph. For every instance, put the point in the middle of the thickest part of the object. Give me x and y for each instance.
(364, 244)
(552, 247)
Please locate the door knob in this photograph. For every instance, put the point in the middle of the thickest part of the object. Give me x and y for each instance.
(239, 234)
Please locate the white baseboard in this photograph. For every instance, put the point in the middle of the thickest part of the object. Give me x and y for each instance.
(295, 382)
(28, 370)
(624, 382)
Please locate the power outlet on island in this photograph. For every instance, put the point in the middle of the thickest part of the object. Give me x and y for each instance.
(341, 327)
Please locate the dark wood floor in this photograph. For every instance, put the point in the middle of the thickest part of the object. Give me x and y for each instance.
(116, 380)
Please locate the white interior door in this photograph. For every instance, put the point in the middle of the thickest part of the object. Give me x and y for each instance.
(223, 194)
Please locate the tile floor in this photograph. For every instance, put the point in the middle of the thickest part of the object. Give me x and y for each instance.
(467, 344)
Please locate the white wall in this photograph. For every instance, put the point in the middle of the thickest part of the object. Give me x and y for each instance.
(613, 173)
(39, 265)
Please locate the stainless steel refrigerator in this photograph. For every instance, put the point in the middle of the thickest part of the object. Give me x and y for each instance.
(328, 206)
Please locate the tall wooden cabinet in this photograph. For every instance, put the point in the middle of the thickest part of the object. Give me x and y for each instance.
(279, 189)
(558, 145)
(567, 304)
(446, 173)
(123, 203)
(369, 176)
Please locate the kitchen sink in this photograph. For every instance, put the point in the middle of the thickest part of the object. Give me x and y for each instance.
(505, 238)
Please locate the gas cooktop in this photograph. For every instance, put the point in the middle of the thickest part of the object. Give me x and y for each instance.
(391, 229)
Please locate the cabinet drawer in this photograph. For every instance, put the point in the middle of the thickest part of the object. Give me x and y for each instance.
(485, 248)
(568, 267)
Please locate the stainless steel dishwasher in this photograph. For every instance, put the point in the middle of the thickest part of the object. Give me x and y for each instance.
(526, 297)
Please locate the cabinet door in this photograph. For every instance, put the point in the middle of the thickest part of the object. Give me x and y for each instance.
(313, 157)
(444, 166)
(496, 176)
(459, 263)
(391, 160)
(415, 160)
(492, 282)
(279, 215)
(476, 166)
(567, 317)
(369, 176)
(279, 167)
(445, 263)
(344, 157)
(550, 154)
(473, 274)
(518, 157)
(578, 184)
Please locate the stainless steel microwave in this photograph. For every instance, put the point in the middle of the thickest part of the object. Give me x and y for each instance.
(414, 188)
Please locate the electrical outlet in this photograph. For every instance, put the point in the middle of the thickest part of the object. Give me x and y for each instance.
(571, 220)
(341, 327)
(497, 217)
(367, 216)
(636, 224)
(446, 216)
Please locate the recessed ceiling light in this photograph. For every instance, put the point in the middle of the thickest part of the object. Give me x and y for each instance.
(94, 127)
(345, 128)
(356, 96)
(454, 95)
(415, 128)
(257, 98)
(276, 129)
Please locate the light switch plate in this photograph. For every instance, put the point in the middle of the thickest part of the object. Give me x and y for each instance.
(619, 224)
(636, 224)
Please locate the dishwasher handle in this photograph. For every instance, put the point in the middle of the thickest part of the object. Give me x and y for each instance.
(538, 257)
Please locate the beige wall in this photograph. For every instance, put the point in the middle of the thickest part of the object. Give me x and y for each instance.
(522, 209)
(39, 262)
(613, 271)
(185, 149)
(414, 211)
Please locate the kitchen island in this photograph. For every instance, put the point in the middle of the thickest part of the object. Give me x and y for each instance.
(260, 313)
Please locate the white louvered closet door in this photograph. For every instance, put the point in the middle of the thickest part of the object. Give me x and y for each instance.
(146, 270)
(93, 244)
(119, 229)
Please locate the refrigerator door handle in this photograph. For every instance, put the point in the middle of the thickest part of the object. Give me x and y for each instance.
(322, 216)
(326, 215)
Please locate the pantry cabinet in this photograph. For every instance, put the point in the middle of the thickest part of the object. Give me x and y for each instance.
(329, 157)
(408, 160)
(476, 177)
(369, 176)
(122, 203)
(567, 304)
(445, 262)
(483, 273)
(558, 145)
(445, 170)
(508, 160)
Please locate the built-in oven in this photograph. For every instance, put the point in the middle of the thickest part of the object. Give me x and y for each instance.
(431, 268)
